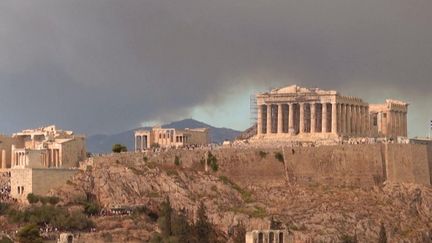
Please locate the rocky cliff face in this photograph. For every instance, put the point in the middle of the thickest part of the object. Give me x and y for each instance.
(317, 213)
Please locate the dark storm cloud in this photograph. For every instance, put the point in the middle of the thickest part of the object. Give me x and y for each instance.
(101, 65)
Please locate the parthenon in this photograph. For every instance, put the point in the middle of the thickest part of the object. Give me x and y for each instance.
(305, 114)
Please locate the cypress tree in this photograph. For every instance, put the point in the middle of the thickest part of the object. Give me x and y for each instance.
(382, 235)
(165, 220)
(202, 227)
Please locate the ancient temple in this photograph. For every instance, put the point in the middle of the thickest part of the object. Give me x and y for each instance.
(308, 114)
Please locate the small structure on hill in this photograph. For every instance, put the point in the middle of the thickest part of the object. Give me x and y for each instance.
(67, 238)
(170, 137)
(268, 236)
(297, 113)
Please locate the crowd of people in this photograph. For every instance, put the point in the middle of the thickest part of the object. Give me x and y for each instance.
(5, 187)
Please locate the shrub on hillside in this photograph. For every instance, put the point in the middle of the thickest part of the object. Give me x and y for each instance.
(118, 148)
(50, 215)
(33, 199)
(262, 154)
(279, 156)
(29, 234)
(3, 208)
(212, 162)
(177, 160)
(5, 239)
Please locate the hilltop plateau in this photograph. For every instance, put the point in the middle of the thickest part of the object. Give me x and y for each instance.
(314, 212)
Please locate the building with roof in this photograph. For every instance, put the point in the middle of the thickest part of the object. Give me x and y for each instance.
(170, 137)
(299, 113)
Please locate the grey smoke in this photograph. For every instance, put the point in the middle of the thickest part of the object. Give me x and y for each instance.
(102, 65)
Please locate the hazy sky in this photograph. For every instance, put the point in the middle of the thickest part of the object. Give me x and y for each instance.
(102, 66)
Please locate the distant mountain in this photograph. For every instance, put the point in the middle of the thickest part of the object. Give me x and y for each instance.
(103, 143)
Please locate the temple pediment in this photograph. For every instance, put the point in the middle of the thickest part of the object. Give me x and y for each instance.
(295, 89)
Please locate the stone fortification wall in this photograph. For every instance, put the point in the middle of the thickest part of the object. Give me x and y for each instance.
(346, 165)
(359, 165)
(37, 181)
(408, 163)
(339, 165)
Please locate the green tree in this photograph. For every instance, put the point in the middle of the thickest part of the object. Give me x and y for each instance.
(91, 208)
(32, 198)
(5, 239)
(239, 233)
(382, 234)
(202, 226)
(164, 220)
(118, 148)
(349, 239)
(29, 234)
(212, 162)
(3, 208)
(177, 160)
(53, 200)
(180, 226)
(279, 156)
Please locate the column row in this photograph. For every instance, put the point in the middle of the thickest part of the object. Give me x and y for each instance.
(397, 123)
(52, 158)
(20, 159)
(353, 119)
(141, 143)
(295, 118)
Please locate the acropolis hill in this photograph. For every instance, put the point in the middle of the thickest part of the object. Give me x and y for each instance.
(317, 167)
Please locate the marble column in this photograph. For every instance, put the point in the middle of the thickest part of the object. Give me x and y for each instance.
(401, 124)
(52, 157)
(390, 122)
(291, 119)
(396, 124)
(302, 120)
(269, 119)
(3, 159)
(313, 117)
(349, 118)
(356, 120)
(279, 119)
(343, 116)
(339, 120)
(136, 143)
(324, 118)
(356, 116)
(259, 120)
(334, 118)
(142, 144)
(361, 120)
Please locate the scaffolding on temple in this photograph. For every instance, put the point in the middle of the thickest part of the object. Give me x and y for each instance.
(253, 110)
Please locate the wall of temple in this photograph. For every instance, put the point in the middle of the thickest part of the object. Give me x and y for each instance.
(6, 151)
(198, 136)
(73, 152)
